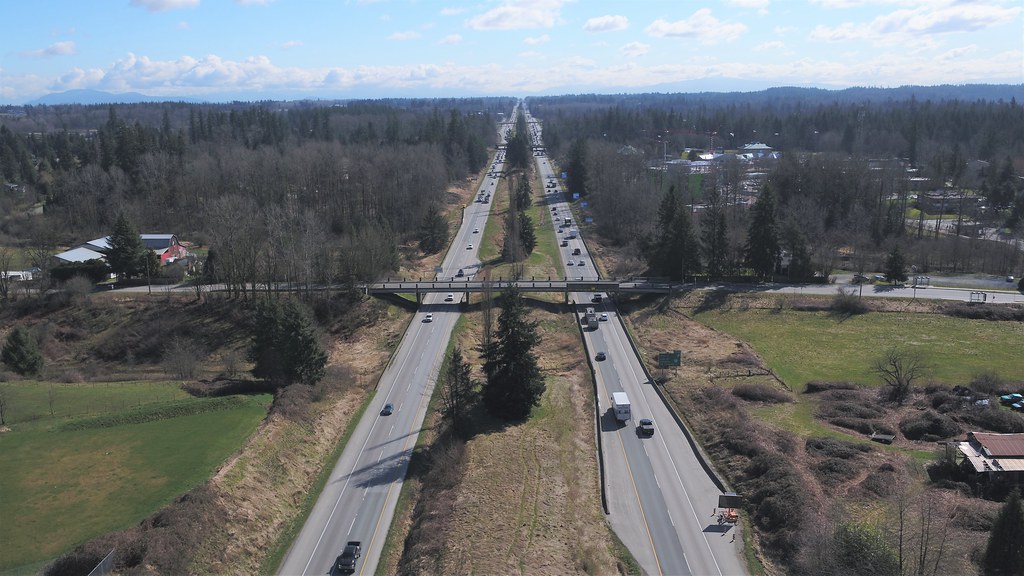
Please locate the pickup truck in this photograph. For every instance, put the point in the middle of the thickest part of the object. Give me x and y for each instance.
(346, 562)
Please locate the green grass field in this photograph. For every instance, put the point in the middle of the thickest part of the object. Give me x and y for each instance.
(30, 403)
(805, 346)
(61, 487)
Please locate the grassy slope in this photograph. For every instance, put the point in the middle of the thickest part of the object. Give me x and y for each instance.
(61, 488)
(804, 346)
(30, 402)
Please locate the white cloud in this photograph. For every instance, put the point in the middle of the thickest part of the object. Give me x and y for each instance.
(452, 11)
(164, 5)
(183, 25)
(411, 35)
(760, 5)
(956, 53)
(537, 40)
(291, 44)
(451, 39)
(634, 49)
(65, 48)
(932, 18)
(519, 15)
(606, 24)
(253, 2)
(701, 25)
(773, 45)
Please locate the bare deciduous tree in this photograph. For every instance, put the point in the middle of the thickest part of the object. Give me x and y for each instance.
(181, 358)
(899, 369)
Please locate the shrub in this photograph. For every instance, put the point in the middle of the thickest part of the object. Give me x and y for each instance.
(995, 420)
(975, 312)
(850, 409)
(847, 303)
(758, 392)
(881, 481)
(834, 448)
(987, 382)
(834, 471)
(928, 426)
(821, 386)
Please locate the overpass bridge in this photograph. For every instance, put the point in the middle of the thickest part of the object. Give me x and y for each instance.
(565, 286)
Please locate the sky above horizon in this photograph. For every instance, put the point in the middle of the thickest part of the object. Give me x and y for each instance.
(271, 49)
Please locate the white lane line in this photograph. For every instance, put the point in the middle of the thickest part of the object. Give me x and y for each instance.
(379, 456)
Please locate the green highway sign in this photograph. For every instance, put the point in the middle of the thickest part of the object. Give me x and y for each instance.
(669, 359)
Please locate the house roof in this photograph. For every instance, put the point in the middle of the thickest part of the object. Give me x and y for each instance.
(79, 254)
(99, 244)
(157, 241)
(999, 445)
(756, 146)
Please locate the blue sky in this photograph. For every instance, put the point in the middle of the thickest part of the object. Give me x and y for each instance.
(253, 49)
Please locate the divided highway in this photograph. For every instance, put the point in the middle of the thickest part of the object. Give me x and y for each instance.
(359, 499)
(660, 498)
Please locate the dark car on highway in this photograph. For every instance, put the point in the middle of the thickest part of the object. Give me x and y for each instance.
(645, 427)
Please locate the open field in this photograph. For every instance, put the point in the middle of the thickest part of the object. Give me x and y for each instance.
(806, 346)
(62, 487)
(30, 403)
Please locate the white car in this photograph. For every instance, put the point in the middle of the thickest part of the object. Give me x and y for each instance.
(429, 318)
(604, 317)
(450, 297)
(476, 230)
(570, 263)
(470, 247)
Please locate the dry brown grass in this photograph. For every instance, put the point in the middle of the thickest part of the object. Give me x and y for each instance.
(264, 486)
(528, 501)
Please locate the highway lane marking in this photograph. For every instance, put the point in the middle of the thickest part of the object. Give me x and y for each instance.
(679, 477)
(381, 455)
(337, 502)
(643, 515)
(425, 398)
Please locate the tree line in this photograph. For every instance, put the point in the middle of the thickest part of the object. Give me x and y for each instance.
(820, 200)
(279, 191)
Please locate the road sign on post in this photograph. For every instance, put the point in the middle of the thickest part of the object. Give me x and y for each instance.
(670, 359)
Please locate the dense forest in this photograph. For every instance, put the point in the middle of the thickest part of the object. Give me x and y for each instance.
(840, 183)
(319, 190)
(297, 191)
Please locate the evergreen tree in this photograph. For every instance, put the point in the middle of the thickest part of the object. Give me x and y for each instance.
(1004, 555)
(715, 237)
(527, 234)
(457, 391)
(126, 254)
(800, 266)
(433, 231)
(286, 348)
(895, 266)
(762, 247)
(514, 382)
(21, 353)
(576, 169)
(524, 195)
(683, 251)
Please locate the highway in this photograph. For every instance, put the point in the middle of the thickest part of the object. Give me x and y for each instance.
(660, 499)
(358, 501)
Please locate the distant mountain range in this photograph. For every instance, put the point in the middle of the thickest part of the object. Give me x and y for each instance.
(967, 92)
(88, 97)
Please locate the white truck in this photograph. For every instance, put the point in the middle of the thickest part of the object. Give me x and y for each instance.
(620, 405)
(573, 232)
